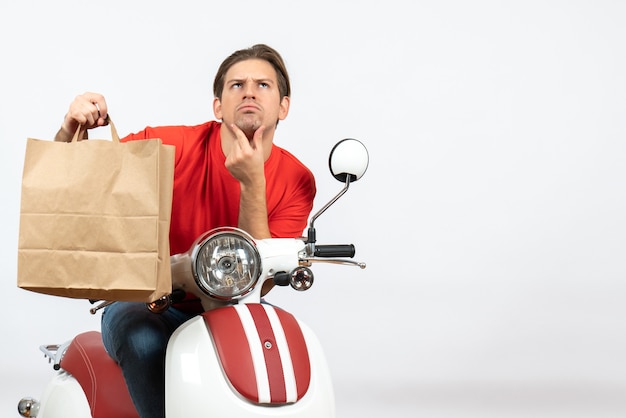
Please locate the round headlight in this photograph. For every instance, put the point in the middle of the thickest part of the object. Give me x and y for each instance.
(226, 264)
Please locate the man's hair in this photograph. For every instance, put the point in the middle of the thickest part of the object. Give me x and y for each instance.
(259, 51)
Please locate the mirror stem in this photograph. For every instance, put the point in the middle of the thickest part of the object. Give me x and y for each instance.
(311, 231)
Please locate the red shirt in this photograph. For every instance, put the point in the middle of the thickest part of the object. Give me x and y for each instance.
(206, 195)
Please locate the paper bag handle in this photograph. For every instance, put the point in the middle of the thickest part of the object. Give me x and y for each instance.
(81, 130)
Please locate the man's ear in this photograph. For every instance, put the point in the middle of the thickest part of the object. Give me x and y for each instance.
(284, 108)
(217, 108)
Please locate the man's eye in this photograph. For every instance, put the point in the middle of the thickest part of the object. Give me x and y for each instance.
(264, 85)
(236, 85)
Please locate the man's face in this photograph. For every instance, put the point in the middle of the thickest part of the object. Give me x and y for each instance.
(250, 97)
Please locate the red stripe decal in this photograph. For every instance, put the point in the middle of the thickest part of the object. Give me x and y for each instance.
(233, 349)
(298, 350)
(273, 363)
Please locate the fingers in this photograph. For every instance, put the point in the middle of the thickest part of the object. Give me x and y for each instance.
(243, 142)
(245, 157)
(257, 139)
(240, 137)
(89, 110)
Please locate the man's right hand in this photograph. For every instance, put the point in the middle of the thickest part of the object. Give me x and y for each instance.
(89, 110)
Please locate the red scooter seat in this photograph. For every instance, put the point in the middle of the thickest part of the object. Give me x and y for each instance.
(99, 376)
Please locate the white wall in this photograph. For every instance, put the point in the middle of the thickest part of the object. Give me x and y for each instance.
(491, 218)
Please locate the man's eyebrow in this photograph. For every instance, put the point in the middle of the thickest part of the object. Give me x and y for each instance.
(257, 80)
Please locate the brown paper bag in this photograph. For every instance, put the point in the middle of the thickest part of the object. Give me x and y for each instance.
(95, 217)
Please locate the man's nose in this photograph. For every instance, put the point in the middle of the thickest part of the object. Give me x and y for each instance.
(248, 90)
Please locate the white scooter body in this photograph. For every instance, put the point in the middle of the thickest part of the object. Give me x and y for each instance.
(196, 384)
(195, 372)
(64, 397)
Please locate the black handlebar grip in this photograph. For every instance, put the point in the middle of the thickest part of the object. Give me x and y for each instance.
(330, 251)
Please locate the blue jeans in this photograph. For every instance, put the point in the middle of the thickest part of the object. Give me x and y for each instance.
(137, 340)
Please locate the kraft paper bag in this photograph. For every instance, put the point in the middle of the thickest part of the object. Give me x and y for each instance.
(95, 218)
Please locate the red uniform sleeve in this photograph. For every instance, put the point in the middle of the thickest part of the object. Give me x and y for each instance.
(291, 220)
(291, 190)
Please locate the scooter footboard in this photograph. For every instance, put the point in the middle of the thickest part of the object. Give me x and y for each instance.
(247, 360)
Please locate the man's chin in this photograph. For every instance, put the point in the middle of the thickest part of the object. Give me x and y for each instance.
(248, 128)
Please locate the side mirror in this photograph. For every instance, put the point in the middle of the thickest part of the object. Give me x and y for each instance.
(348, 158)
(348, 162)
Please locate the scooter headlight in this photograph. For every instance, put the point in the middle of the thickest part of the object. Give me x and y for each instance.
(226, 263)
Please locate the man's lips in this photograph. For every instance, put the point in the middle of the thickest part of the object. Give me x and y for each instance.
(248, 107)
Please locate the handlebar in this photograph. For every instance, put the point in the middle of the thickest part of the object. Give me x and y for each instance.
(330, 251)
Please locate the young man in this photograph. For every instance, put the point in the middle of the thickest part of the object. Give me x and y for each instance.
(227, 173)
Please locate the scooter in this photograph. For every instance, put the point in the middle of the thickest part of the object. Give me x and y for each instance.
(240, 358)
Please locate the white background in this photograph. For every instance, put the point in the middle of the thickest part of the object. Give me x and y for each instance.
(491, 217)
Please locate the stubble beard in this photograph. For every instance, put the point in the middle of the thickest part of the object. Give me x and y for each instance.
(248, 123)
